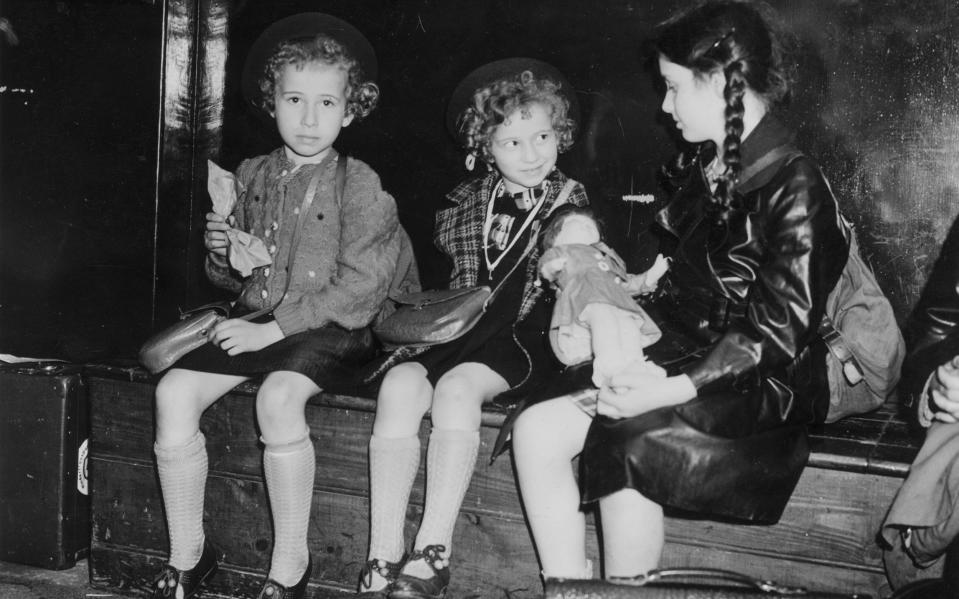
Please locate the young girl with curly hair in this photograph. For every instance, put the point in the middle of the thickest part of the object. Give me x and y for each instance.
(313, 74)
(515, 117)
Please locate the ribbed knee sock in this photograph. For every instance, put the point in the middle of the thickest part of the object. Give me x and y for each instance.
(393, 465)
(182, 471)
(450, 460)
(290, 469)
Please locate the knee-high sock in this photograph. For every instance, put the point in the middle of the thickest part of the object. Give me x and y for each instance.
(393, 465)
(290, 469)
(450, 460)
(182, 471)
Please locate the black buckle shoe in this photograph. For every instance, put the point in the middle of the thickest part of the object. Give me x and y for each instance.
(166, 582)
(434, 587)
(388, 570)
(274, 590)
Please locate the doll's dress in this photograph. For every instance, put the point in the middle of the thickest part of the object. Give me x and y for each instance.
(592, 273)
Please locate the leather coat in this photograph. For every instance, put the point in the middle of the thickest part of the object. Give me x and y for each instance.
(932, 333)
(740, 314)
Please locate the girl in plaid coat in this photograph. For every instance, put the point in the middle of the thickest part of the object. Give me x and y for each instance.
(516, 116)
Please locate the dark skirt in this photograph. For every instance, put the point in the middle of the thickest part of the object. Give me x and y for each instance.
(330, 356)
(492, 343)
(728, 453)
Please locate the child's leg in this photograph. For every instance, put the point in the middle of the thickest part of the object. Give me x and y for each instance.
(289, 465)
(546, 437)
(180, 448)
(453, 446)
(404, 397)
(633, 534)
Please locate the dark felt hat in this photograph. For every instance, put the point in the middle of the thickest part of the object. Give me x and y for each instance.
(303, 25)
(504, 69)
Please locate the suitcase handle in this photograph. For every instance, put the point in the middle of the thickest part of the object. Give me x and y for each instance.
(713, 574)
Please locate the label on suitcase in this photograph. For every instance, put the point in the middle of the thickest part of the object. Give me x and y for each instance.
(45, 520)
(683, 583)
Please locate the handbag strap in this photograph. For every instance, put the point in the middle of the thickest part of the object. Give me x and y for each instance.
(300, 220)
(561, 199)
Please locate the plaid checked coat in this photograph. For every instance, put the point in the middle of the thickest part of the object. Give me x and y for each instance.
(458, 234)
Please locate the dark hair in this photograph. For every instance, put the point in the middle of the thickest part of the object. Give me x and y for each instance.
(493, 104)
(554, 223)
(742, 40)
(361, 94)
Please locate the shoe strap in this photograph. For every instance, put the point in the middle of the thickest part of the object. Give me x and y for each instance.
(169, 578)
(431, 554)
(388, 570)
(272, 590)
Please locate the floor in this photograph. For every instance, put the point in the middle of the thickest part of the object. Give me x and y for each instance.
(27, 582)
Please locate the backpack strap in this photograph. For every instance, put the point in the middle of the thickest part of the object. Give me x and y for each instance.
(785, 152)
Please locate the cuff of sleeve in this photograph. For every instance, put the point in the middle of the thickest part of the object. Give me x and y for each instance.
(290, 319)
(220, 262)
(924, 411)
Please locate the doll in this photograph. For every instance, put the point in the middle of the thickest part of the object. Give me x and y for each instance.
(595, 316)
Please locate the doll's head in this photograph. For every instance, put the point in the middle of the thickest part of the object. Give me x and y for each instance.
(572, 224)
(515, 114)
(308, 42)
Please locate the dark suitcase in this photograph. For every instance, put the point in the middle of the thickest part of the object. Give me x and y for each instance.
(44, 500)
(683, 583)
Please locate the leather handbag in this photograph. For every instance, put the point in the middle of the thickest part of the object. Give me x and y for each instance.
(440, 316)
(432, 317)
(163, 349)
(683, 583)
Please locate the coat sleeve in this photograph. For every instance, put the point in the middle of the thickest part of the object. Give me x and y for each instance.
(368, 248)
(800, 235)
(932, 331)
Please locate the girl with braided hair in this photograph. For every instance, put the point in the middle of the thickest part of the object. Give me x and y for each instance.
(756, 243)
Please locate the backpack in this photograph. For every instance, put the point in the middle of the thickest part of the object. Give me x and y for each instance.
(859, 327)
(866, 347)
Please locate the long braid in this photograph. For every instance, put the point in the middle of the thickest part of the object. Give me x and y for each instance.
(733, 93)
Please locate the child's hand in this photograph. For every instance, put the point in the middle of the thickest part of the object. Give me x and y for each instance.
(632, 393)
(237, 336)
(549, 269)
(648, 281)
(605, 366)
(215, 238)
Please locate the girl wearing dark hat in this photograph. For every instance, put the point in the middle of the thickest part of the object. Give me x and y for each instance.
(312, 74)
(514, 117)
(757, 244)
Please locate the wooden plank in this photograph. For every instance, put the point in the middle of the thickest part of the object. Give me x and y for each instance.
(493, 555)
(124, 432)
(825, 539)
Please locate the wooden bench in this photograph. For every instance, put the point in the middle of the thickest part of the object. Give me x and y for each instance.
(825, 539)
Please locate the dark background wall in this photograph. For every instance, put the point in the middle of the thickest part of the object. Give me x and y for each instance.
(79, 99)
(131, 98)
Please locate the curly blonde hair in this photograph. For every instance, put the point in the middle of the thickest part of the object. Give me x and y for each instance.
(492, 105)
(361, 95)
